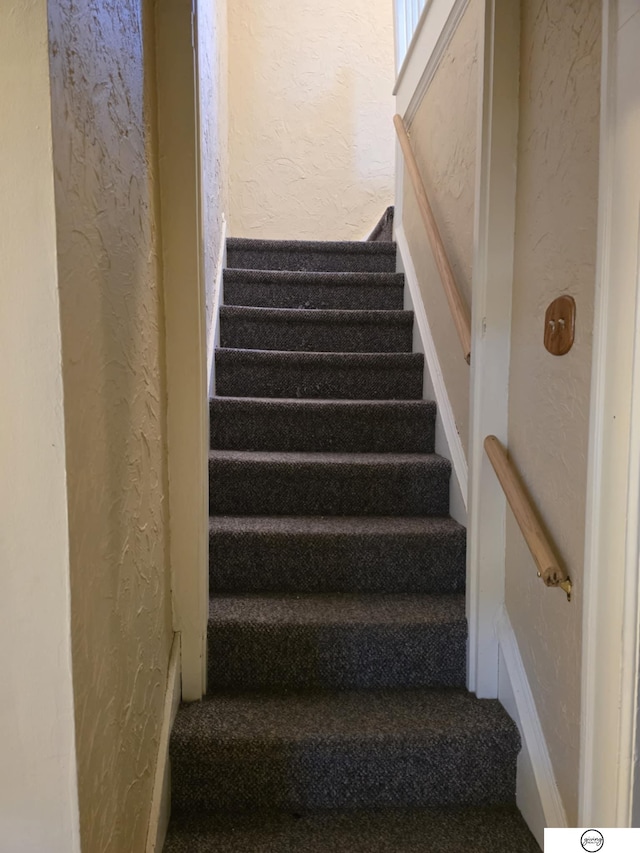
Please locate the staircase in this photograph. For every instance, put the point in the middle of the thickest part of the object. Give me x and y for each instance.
(337, 717)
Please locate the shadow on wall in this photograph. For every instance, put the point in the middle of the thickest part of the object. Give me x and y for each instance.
(113, 372)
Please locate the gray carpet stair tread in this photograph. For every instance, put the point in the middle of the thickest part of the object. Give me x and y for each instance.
(306, 330)
(497, 829)
(330, 256)
(366, 426)
(329, 642)
(340, 610)
(318, 375)
(297, 483)
(336, 554)
(453, 714)
(314, 290)
(334, 526)
(364, 749)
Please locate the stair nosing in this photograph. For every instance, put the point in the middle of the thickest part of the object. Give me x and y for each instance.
(375, 279)
(313, 355)
(339, 316)
(359, 247)
(347, 610)
(330, 457)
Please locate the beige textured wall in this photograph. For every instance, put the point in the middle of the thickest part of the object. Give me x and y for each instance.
(549, 396)
(443, 136)
(38, 785)
(311, 135)
(114, 395)
(213, 91)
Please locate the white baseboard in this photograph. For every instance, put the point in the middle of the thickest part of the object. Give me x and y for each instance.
(213, 333)
(537, 794)
(448, 443)
(161, 797)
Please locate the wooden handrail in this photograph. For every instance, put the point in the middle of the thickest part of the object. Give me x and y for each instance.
(549, 566)
(457, 305)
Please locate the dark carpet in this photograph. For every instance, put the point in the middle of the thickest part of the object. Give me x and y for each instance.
(310, 255)
(336, 717)
(315, 331)
(365, 749)
(319, 375)
(252, 482)
(341, 426)
(336, 554)
(339, 641)
(293, 289)
(497, 829)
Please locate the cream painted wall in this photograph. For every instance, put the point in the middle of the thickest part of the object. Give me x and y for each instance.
(443, 136)
(213, 94)
(38, 786)
(114, 397)
(548, 395)
(311, 135)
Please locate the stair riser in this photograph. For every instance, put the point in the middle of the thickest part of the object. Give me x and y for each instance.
(332, 774)
(263, 488)
(318, 379)
(311, 260)
(328, 296)
(479, 829)
(325, 657)
(292, 335)
(238, 424)
(278, 563)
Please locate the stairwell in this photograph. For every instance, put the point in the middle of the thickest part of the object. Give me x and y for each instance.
(337, 716)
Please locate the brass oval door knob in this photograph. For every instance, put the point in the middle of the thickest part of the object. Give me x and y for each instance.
(560, 325)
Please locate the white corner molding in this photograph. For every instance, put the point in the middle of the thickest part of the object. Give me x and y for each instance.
(491, 331)
(161, 795)
(537, 793)
(213, 332)
(452, 449)
(435, 29)
(610, 721)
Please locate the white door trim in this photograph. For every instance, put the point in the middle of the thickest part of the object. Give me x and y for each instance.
(491, 335)
(611, 609)
(185, 333)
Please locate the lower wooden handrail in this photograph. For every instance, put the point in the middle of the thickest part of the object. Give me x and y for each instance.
(457, 305)
(549, 566)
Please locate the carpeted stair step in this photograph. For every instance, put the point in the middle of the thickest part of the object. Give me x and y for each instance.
(324, 375)
(259, 483)
(288, 289)
(488, 829)
(315, 331)
(349, 750)
(342, 426)
(336, 554)
(335, 642)
(319, 256)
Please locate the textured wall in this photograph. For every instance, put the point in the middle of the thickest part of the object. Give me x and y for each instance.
(311, 134)
(443, 136)
(38, 785)
(114, 390)
(213, 72)
(548, 395)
